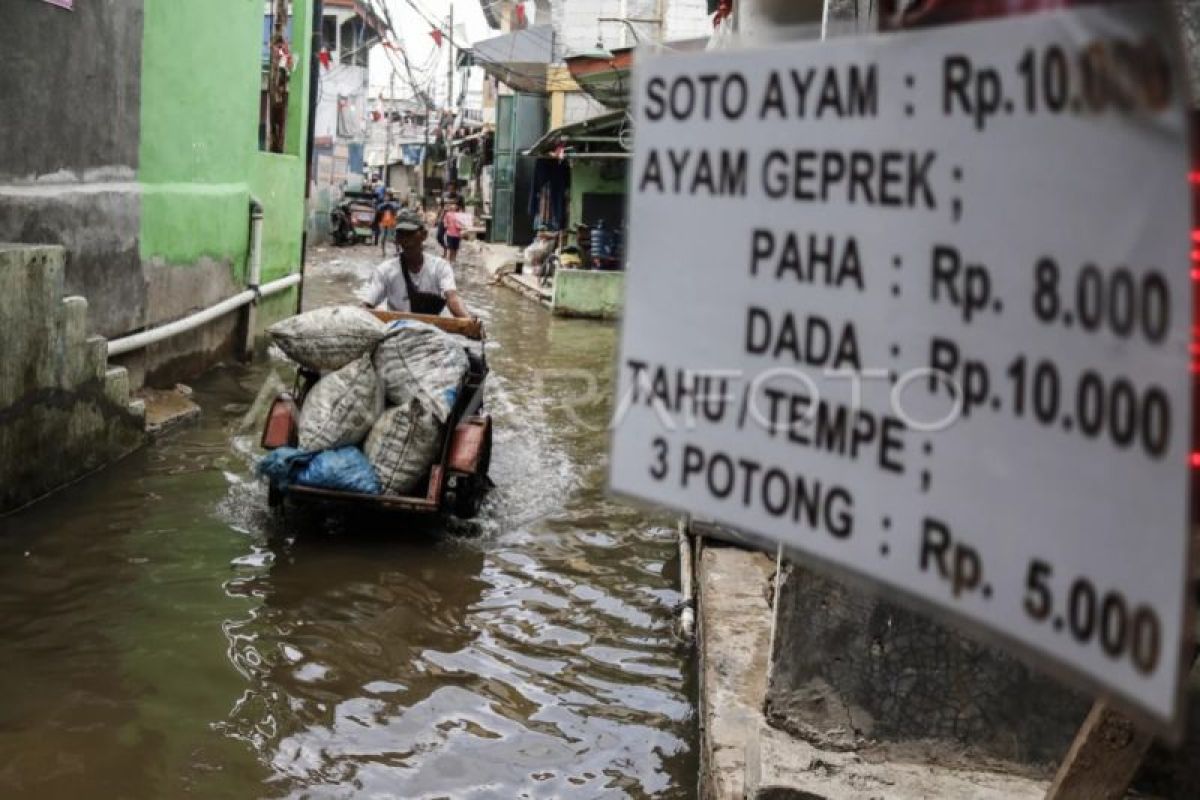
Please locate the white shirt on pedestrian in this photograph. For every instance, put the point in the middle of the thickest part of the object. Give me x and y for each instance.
(387, 282)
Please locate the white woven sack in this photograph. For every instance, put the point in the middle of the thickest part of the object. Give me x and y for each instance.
(328, 338)
(341, 408)
(415, 359)
(403, 446)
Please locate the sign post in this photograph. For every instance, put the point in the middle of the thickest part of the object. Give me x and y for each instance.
(917, 306)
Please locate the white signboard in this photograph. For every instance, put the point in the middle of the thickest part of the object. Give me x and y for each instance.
(919, 306)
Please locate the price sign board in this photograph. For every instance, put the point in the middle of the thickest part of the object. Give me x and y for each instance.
(919, 306)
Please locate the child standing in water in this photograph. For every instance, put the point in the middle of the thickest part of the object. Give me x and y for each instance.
(454, 227)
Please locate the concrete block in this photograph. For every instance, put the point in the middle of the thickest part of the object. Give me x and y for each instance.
(95, 358)
(30, 276)
(116, 385)
(74, 315)
(588, 293)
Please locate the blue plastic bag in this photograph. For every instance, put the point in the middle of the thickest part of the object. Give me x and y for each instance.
(282, 465)
(345, 469)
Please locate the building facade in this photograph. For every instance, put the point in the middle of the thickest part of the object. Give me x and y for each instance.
(348, 31)
(133, 140)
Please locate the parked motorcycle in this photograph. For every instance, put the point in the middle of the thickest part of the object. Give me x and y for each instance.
(351, 220)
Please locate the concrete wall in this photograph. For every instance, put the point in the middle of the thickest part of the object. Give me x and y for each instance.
(588, 293)
(848, 667)
(200, 163)
(63, 412)
(130, 137)
(69, 146)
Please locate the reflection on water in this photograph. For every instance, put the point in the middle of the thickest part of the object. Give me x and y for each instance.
(165, 635)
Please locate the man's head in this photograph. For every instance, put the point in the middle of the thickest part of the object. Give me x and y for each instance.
(410, 231)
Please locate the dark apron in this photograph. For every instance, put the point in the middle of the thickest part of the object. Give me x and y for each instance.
(421, 302)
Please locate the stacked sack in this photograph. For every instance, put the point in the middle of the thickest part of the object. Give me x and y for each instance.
(373, 423)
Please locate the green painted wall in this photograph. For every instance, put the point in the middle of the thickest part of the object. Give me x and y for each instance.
(585, 179)
(199, 155)
(588, 293)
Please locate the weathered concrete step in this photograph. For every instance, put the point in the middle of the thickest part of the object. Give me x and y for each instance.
(734, 620)
(783, 767)
(166, 409)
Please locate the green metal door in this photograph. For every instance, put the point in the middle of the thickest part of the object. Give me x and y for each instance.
(504, 180)
(520, 122)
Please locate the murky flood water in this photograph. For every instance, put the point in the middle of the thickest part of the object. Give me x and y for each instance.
(163, 634)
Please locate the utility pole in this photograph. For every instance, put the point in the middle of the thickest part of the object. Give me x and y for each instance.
(276, 113)
(450, 61)
(427, 102)
(387, 120)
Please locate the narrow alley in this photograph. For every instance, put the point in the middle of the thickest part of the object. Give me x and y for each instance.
(167, 634)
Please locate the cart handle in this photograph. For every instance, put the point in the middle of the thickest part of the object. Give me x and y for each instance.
(470, 328)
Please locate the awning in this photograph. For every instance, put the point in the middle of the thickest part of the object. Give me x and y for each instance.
(598, 138)
(607, 75)
(521, 58)
(604, 76)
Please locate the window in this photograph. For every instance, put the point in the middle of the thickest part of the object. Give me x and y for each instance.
(353, 52)
(277, 65)
(329, 28)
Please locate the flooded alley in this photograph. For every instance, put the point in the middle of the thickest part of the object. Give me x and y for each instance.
(167, 635)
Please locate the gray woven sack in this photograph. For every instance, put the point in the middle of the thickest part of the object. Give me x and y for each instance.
(415, 359)
(403, 446)
(328, 338)
(341, 408)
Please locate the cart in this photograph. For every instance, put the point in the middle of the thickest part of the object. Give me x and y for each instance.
(457, 481)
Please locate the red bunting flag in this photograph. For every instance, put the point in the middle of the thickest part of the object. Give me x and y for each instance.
(437, 36)
(324, 58)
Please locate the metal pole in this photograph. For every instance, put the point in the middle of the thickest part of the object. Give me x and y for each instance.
(450, 61)
(426, 101)
(387, 120)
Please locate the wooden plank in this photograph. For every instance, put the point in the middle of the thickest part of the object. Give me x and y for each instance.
(379, 501)
(1103, 759)
(470, 328)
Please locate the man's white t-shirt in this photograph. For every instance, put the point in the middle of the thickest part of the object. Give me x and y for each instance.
(436, 277)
